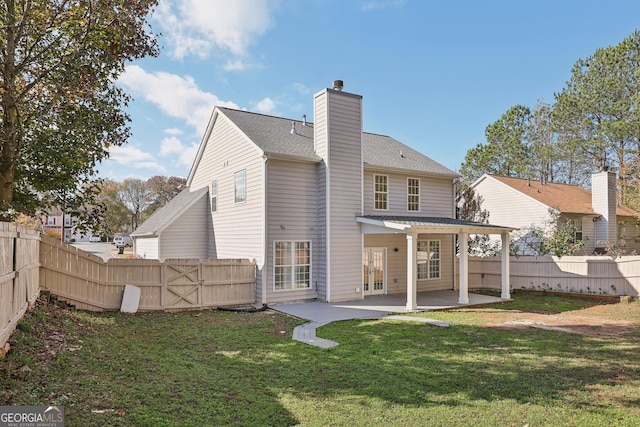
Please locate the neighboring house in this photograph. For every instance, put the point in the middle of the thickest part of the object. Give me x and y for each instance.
(327, 212)
(54, 223)
(523, 203)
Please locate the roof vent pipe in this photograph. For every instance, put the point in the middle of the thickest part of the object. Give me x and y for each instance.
(304, 120)
(293, 128)
(338, 85)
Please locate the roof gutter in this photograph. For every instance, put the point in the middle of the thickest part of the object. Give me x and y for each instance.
(149, 234)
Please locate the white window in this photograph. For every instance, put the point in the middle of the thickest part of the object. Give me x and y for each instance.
(381, 192)
(428, 259)
(240, 186)
(214, 195)
(413, 194)
(292, 265)
(577, 223)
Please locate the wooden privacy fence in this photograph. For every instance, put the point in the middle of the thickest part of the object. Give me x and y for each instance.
(87, 282)
(578, 274)
(19, 268)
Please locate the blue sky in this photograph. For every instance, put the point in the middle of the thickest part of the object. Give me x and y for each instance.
(432, 74)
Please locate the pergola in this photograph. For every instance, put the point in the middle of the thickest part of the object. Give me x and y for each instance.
(413, 226)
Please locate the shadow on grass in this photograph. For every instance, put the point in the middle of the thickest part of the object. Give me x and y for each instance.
(480, 363)
(240, 369)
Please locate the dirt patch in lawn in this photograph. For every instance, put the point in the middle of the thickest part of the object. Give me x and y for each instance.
(600, 320)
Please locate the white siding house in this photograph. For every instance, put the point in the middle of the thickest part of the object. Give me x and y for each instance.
(328, 212)
(178, 230)
(524, 204)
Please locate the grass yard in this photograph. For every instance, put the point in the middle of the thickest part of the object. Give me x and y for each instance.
(494, 367)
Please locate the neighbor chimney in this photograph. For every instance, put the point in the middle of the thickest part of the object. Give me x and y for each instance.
(338, 85)
(603, 202)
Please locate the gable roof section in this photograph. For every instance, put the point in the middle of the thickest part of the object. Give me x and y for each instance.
(568, 199)
(386, 152)
(164, 217)
(273, 136)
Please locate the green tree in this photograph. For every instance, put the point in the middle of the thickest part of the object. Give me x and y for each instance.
(506, 152)
(557, 236)
(598, 112)
(60, 106)
(561, 239)
(116, 217)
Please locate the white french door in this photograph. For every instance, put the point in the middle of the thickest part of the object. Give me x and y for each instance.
(374, 263)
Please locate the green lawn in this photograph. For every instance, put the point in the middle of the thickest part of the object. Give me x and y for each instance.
(219, 368)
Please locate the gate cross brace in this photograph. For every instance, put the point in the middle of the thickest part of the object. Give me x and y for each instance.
(183, 296)
(183, 273)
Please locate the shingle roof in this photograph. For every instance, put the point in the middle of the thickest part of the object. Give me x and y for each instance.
(564, 197)
(273, 136)
(384, 151)
(169, 212)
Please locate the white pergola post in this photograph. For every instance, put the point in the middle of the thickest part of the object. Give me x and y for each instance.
(464, 269)
(506, 292)
(412, 272)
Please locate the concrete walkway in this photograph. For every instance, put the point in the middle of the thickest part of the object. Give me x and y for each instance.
(373, 307)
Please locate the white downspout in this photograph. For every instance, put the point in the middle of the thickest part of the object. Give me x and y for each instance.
(265, 249)
(453, 237)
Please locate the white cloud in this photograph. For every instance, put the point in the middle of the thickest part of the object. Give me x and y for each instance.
(367, 6)
(301, 89)
(176, 96)
(265, 106)
(173, 131)
(236, 65)
(184, 154)
(196, 27)
(131, 156)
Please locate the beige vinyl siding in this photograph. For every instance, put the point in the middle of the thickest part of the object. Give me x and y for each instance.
(187, 236)
(397, 261)
(320, 249)
(631, 234)
(588, 232)
(630, 238)
(237, 228)
(146, 247)
(292, 215)
(341, 147)
(446, 264)
(436, 195)
(508, 207)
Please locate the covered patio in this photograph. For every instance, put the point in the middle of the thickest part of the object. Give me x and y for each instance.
(413, 227)
(377, 306)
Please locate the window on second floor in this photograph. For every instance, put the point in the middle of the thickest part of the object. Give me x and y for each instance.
(413, 194)
(381, 192)
(214, 195)
(240, 186)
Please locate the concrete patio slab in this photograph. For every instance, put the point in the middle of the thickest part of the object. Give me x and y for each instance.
(373, 307)
(377, 306)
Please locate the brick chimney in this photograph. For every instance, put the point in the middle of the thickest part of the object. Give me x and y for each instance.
(603, 201)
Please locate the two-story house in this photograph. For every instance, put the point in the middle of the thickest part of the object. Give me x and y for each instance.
(327, 211)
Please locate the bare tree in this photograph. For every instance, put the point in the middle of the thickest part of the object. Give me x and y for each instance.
(136, 196)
